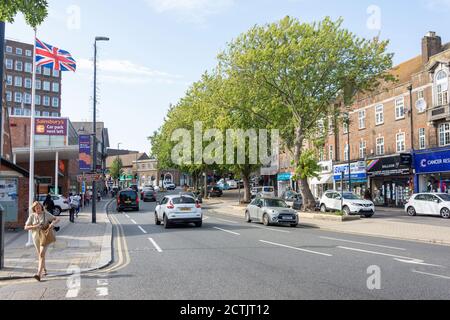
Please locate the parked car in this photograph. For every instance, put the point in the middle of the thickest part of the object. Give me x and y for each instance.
(214, 192)
(127, 200)
(176, 209)
(223, 185)
(271, 211)
(293, 199)
(168, 185)
(433, 204)
(194, 195)
(348, 202)
(267, 192)
(62, 204)
(149, 196)
(233, 184)
(255, 191)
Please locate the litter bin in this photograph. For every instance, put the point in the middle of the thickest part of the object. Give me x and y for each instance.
(2, 236)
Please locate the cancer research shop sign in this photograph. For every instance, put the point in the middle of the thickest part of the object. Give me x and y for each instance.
(432, 162)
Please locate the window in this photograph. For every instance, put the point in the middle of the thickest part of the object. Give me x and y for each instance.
(9, 49)
(380, 146)
(56, 73)
(9, 80)
(55, 102)
(38, 70)
(362, 149)
(17, 111)
(27, 98)
(399, 108)
(422, 144)
(442, 88)
(362, 119)
(38, 113)
(28, 67)
(46, 101)
(46, 114)
(322, 154)
(331, 153)
(19, 66)
(55, 87)
(401, 147)
(38, 84)
(9, 64)
(346, 152)
(8, 96)
(28, 83)
(18, 82)
(46, 86)
(55, 114)
(19, 51)
(27, 112)
(444, 134)
(420, 95)
(37, 100)
(18, 97)
(345, 127)
(47, 71)
(379, 115)
(28, 53)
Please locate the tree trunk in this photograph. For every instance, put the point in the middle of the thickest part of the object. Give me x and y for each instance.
(247, 193)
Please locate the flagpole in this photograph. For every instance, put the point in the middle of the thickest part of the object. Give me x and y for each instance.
(33, 125)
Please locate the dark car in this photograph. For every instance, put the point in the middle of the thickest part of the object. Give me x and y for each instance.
(214, 192)
(149, 196)
(293, 199)
(127, 200)
(146, 189)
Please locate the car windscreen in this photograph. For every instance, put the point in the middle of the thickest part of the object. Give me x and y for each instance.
(128, 196)
(275, 203)
(444, 196)
(351, 196)
(183, 200)
(188, 195)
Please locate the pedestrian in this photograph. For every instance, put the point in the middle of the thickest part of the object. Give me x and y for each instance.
(78, 200)
(49, 204)
(73, 205)
(41, 224)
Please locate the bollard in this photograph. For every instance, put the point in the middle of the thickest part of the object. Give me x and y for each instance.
(2, 237)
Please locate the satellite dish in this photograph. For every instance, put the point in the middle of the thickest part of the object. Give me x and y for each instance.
(421, 105)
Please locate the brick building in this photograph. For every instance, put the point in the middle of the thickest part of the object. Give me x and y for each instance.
(18, 78)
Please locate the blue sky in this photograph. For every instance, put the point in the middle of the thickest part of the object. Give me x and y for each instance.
(159, 47)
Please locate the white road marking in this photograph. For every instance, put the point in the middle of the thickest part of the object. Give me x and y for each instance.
(364, 243)
(127, 216)
(102, 282)
(431, 274)
(102, 292)
(155, 245)
(229, 221)
(133, 221)
(142, 230)
(397, 258)
(295, 248)
(235, 233)
(271, 229)
(72, 293)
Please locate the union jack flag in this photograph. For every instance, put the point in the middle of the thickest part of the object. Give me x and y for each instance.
(54, 58)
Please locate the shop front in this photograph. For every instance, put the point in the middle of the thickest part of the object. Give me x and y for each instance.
(391, 182)
(285, 182)
(324, 181)
(357, 177)
(432, 171)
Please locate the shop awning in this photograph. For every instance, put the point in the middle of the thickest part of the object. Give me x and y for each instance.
(323, 179)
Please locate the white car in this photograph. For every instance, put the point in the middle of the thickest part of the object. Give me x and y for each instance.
(267, 192)
(169, 185)
(435, 204)
(62, 204)
(348, 202)
(233, 184)
(255, 191)
(178, 210)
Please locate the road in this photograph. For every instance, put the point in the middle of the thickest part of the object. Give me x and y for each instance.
(230, 259)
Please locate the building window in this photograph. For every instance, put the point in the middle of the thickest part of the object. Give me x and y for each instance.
(17, 111)
(420, 95)
(46, 86)
(362, 149)
(321, 154)
(55, 87)
(38, 70)
(345, 127)
(18, 82)
(56, 73)
(47, 71)
(38, 84)
(444, 134)
(27, 112)
(399, 108)
(8, 96)
(28, 83)
(18, 97)
(379, 115)
(362, 119)
(46, 101)
(9, 80)
(28, 67)
(346, 152)
(27, 98)
(422, 143)
(19, 66)
(9, 64)
(28, 53)
(401, 146)
(55, 102)
(330, 153)
(55, 114)
(19, 51)
(38, 100)
(442, 88)
(380, 146)
(9, 49)
(46, 114)
(38, 113)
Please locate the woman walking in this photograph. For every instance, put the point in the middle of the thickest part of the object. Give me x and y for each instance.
(41, 224)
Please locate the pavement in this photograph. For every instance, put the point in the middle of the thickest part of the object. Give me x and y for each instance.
(83, 245)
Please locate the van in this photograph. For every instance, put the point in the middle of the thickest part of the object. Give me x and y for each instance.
(127, 200)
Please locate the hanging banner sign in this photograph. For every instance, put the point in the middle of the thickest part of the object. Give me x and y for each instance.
(85, 158)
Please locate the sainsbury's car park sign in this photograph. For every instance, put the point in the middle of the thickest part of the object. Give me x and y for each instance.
(51, 127)
(438, 161)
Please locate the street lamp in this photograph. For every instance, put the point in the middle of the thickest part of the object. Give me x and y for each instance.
(347, 122)
(94, 187)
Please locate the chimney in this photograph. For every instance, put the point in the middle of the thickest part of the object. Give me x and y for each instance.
(431, 45)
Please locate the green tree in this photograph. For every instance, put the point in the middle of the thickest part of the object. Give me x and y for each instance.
(116, 170)
(34, 11)
(305, 68)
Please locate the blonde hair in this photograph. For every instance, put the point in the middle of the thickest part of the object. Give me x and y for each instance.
(35, 204)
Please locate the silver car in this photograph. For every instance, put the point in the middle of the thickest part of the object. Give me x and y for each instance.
(271, 211)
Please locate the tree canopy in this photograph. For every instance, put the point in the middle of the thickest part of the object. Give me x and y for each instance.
(34, 11)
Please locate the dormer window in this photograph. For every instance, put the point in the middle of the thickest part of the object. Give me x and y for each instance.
(441, 84)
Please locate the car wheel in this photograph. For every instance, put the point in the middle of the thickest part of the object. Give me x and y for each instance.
(294, 225)
(166, 223)
(368, 216)
(266, 221)
(346, 211)
(445, 213)
(199, 224)
(247, 217)
(411, 212)
(57, 211)
(157, 222)
(323, 208)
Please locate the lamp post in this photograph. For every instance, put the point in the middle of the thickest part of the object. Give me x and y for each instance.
(347, 121)
(94, 187)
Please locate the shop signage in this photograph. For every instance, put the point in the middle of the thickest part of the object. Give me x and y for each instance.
(391, 166)
(51, 127)
(89, 178)
(358, 171)
(438, 161)
(85, 159)
(285, 176)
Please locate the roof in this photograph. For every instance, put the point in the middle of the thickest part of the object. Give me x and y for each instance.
(14, 167)
(405, 70)
(127, 159)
